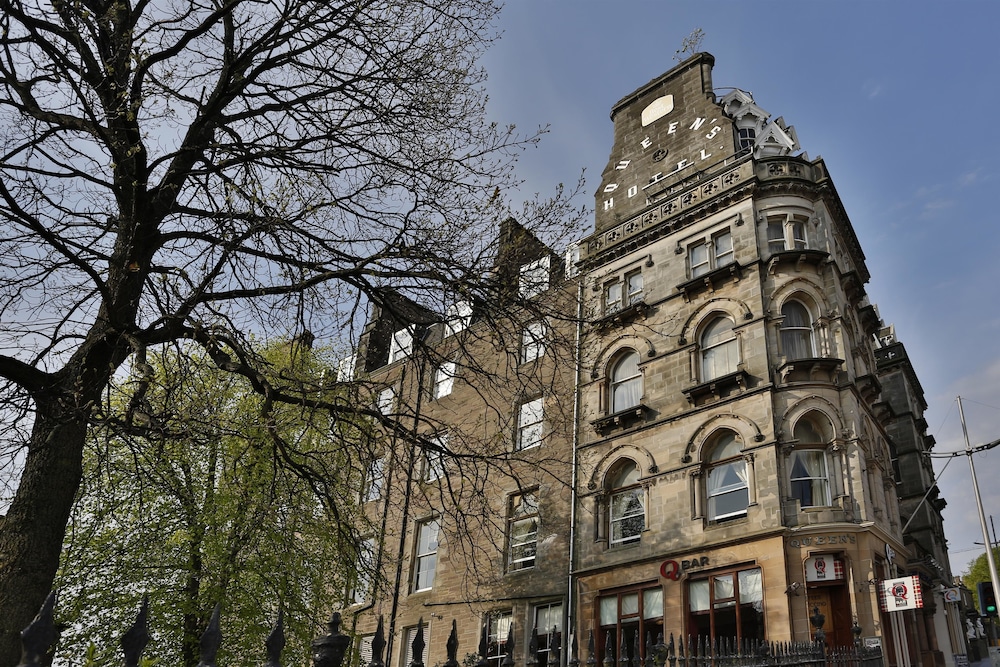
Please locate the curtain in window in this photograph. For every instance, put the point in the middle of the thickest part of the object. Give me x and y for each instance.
(808, 477)
(727, 490)
(796, 331)
(719, 349)
(698, 595)
(626, 383)
(751, 588)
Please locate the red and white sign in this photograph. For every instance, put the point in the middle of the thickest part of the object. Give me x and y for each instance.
(824, 568)
(900, 594)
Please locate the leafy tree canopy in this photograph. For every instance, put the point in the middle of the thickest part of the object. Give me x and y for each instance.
(203, 170)
(192, 510)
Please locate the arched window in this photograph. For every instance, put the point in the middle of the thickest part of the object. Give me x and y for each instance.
(627, 515)
(727, 491)
(719, 350)
(796, 331)
(808, 471)
(626, 382)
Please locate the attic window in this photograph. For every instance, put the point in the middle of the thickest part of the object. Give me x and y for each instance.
(747, 136)
(402, 344)
(534, 278)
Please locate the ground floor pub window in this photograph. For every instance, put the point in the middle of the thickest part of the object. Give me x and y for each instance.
(632, 616)
(727, 605)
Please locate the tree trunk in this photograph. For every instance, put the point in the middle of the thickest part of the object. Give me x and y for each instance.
(32, 535)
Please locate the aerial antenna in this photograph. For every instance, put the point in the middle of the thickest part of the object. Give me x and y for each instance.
(690, 45)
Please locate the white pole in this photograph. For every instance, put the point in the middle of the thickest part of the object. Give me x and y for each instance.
(979, 504)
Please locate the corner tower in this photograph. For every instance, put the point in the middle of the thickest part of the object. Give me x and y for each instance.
(732, 451)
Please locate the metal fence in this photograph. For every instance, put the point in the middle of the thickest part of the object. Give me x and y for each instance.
(39, 638)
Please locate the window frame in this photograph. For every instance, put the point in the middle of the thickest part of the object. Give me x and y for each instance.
(533, 341)
(401, 343)
(730, 344)
(516, 518)
(385, 402)
(374, 480)
(410, 634)
(713, 258)
(444, 379)
(548, 636)
(715, 464)
(646, 623)
(634, 287)
(534, 407)
(623, 488)
(792, 333)
(425, 556)
(616, 383)
(433, 461)
(793, 228)
(458, 317)
(496, 644)
(723, 603)
(795, 483)
(534, 277)
(361, 585)
(613, 291)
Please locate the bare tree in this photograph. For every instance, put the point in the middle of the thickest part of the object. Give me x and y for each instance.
(215, 170)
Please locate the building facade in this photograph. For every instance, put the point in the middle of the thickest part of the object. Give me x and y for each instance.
(712, 445)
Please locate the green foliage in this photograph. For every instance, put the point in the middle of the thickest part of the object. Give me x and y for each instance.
(979, 570)
(184, 500)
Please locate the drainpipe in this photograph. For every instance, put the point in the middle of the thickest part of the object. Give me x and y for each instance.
(577, 367)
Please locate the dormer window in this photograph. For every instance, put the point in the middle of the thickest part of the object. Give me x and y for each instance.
(534, 278)
(747, 136)
(401, 345)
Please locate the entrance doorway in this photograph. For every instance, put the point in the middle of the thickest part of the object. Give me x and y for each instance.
(835, 605)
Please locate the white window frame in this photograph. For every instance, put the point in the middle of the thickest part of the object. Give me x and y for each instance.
(792, 227)
(634, 286)
(617, 383)
(720, 461)
(458, 317)
(374, 480)
(549, 634)
(497, 630)
(811, 480)
(433, 465)
(705, 255)
(787, 331)
(386, 401)
(401, 344)
(533, 341)
(613, 296)
(522, 531)
(530, 423)
(444, 379)
(425, 555)
(626, 489)
(709, 349)
(345, 368)
(534, 278)
(411, 634)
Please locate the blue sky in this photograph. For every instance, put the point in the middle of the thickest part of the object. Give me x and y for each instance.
(897, 97)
